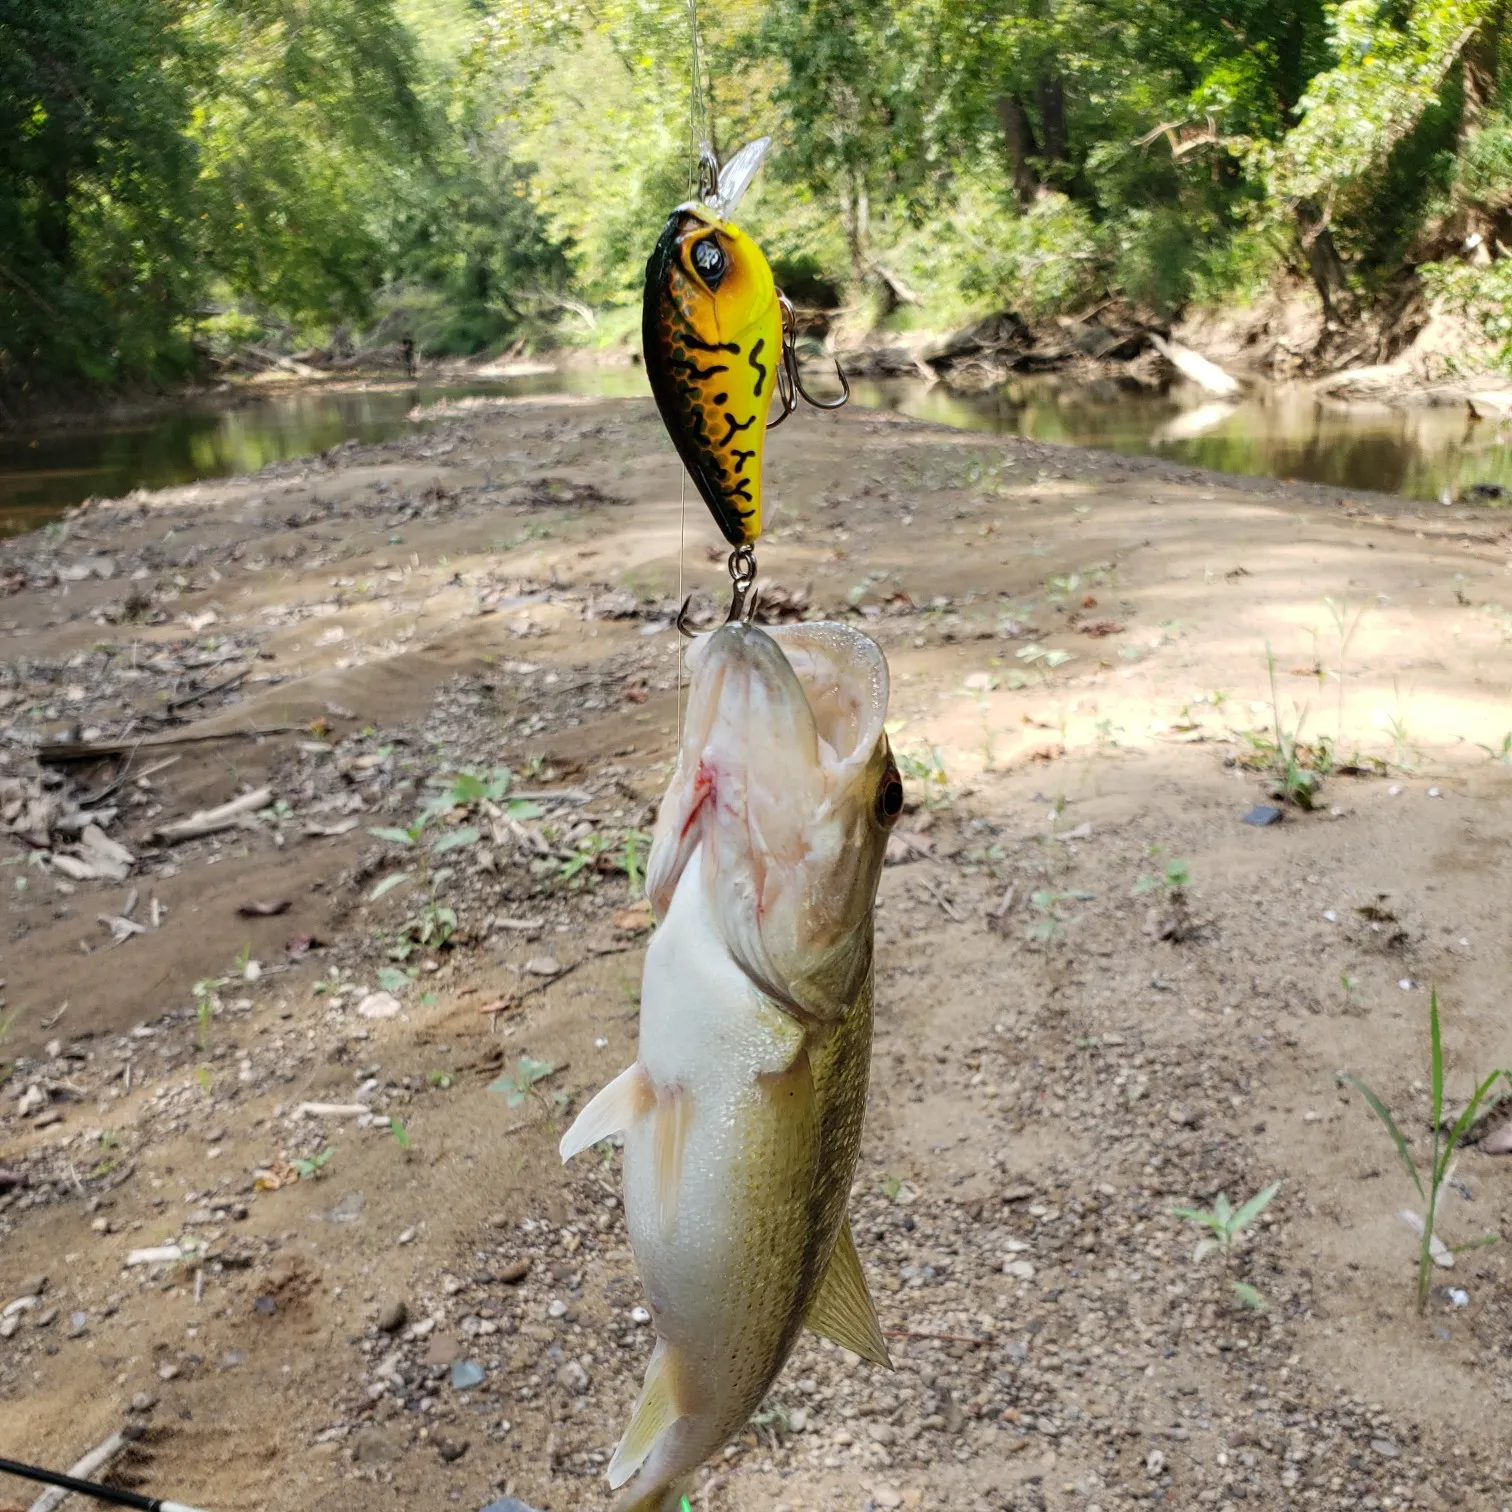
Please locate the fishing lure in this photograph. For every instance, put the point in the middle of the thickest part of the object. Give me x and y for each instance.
(720, 348)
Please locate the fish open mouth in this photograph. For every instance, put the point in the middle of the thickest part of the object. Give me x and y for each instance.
(774, 783)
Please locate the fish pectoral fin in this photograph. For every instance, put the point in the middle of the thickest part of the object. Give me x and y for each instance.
(674, 1114)
(656, 1412)
(842, 1307)
(628, 1097)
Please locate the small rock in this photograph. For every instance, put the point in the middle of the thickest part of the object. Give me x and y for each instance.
(77, 1323)
(8, 1326)
(443, 1350)
(33, 1100)
(168, 1372)
(515, 1272)
(466, 1374)
(1385, 1447)
(48, 1318)
(143, 1401)
(1263, 814)
(349, 1209)
(379, 1005)
(545, 966)
(572, 1377)
(372, 1446)
(101, 1225)
(1022, 1269)
(556, 1308)
(407, 1237)
(887, 1496)
(1155, 1463)
(451, 1450)
(394, 1316)
(508, 1504)
(639, 1315)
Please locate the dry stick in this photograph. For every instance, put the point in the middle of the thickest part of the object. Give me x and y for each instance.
(96, 750)
(212, 821)
(88, 1467)
(946, 906)
(220, 687)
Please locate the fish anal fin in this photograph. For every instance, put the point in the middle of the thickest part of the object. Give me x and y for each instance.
(613, 1110)
(657, 1411)
(669, 1138)
(842, 1308)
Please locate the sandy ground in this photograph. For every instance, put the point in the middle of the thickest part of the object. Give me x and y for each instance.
(1079, 654)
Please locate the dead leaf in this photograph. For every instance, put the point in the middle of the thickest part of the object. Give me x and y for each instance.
(635, 918)
(1099, 628)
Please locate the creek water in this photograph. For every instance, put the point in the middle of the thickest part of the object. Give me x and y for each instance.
(1419, 452)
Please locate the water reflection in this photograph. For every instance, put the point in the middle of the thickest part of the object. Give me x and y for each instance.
(1284, 432)
(43, 475)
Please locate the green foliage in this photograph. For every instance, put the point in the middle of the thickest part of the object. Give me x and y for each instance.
(180, 176)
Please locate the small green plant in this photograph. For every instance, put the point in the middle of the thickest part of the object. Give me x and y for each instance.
(204, 1008)
(206, 1081)
(440, 1079)
(1346, 627)
(1050, 904)
(1227, 1224)
(400, 1133)
(1430, 1180)
(522, 1083)
(1349, 984)
(928, 768)
(1502, 753)
(311, 1167)
(1175, 881)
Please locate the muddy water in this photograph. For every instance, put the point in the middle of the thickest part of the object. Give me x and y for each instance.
(1422, 453)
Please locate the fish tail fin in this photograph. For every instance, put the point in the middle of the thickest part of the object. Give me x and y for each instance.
(656, 1429)
(669, 1500)
(611, 1111)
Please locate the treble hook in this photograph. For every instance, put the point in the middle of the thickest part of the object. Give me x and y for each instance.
(789, 380)
(743, 601)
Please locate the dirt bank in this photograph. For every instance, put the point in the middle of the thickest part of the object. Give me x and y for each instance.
(1078, 645)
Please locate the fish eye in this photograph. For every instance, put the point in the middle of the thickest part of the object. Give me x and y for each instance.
(890, 797)
(710, 261)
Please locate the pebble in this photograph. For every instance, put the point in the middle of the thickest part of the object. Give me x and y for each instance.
(556, 1308)
(639, 1315)
(143, 1401)
(887, 1496)
(508, 1504)
(514, 1272)
(407, 1237)
(394, 1316)
(77, 1324)
(466, 1374)
(168, 1372)
(1022, 1269)
(544, 966)
(379, 1005)
(572, 1377)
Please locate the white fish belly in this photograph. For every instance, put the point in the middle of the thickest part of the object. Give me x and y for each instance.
(720, 1245)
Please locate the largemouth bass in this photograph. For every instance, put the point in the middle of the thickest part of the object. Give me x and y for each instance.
(742, 1112)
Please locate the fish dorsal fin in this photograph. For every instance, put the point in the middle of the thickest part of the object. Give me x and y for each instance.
(655, 1412)
(628, 1097)
(842, 1308)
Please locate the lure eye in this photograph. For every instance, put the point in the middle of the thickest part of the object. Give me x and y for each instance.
(710, 260)
(890, 798)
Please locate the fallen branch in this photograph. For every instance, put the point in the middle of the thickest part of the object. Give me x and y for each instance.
(86, 1469)
(212, 821)
(220, 687)
(96, 750)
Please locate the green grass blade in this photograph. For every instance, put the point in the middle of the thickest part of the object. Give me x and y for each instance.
(1463, 1123)
(1254, 1207)
(1382, 1112)
(1199, 1215)
(1438, 1057)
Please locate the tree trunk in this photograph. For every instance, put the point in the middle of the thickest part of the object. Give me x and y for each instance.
(1324, 263)
(1480, 64)
(1018, 138)
(1050, 96)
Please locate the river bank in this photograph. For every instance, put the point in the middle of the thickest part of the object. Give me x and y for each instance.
(325, 1103)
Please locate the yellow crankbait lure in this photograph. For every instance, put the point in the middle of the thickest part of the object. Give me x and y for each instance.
(712, 328)
(719, 347)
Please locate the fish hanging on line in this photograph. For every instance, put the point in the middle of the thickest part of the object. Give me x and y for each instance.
(742, 1112)
(718, 338)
